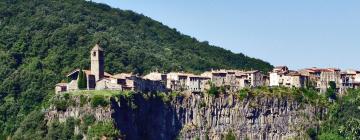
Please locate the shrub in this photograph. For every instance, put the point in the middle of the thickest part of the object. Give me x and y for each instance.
(100, 129)
(83, 100)
(98, 100)
(87, 120)
(213, 91)
(60, 104)
(163, 97)
(311, 132)
(230, 136)
(243, 93)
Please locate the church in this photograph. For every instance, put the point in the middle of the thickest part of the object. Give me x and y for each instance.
(97, 78)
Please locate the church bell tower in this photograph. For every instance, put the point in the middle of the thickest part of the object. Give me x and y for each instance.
(97, 62)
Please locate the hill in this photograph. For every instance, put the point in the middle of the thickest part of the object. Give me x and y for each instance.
(42, 40)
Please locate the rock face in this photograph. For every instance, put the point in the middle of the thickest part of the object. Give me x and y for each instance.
(194, 117)
(197, 117)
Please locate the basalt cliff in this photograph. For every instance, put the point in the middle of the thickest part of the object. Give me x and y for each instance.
(147, 116)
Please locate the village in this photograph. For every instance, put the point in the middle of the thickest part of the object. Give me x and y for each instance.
(232, 80)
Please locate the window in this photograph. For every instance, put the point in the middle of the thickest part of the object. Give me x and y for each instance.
(94, 53)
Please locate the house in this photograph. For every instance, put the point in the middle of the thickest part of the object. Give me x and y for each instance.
(218, 77)
(235, 80)
(327, 76)
(282, 76)
(125, 80)
(349, 80)
(148, 85)
(294, 79)
(255, 77)
(60, 87)
(276, 76)
(196, 83)
(177, 81)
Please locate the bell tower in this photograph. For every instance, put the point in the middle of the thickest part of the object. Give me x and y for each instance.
(97, 62)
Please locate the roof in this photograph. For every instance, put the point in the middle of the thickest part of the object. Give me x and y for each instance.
(97, 48)
(280, 67)
(61, 84)
(87, 72)
(122, 75)
(252, 71)
(315, 69)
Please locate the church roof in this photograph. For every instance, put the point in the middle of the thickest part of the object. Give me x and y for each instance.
(97, 48)
(87, 72)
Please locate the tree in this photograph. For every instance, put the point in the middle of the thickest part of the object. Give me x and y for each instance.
(331, 91)
(82, 80)
(213, 91)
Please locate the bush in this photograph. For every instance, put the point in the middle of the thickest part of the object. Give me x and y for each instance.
(165, 98)
(83, 100)
(311, 132)
(87, 120)
(330, 136)
(60, 104)
(101, 129)
(98, 100)
(213, 91)
(230, 136)
(243, 93)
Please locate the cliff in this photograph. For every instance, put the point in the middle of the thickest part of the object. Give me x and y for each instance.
(144, 116)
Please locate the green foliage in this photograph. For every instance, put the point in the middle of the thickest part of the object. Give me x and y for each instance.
(41, 41)
(331, 91)
(343, 118)
(32, 128)
(82, 80)
(103, 129)
(99, 100)
(83, 100)
(243, 93)
(330, 136)
(62, 102)
(230, 136)
(60, 130)
(213, 91)
(311, 132)
(87, 120)
(163, 96)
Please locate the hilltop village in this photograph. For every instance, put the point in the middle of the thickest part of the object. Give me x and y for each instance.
(231, 80)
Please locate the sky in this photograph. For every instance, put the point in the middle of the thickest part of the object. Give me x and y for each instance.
(296, 33)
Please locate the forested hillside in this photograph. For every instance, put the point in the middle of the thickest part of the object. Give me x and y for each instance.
(42, 40)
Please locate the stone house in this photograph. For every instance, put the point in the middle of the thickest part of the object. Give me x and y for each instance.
(197, 83)
(350, 79)
(294, 79)
(255, 77)
(282, 76)
(148, 85)
(125, 80)
(276, 76)
(177, 81)
(326, 76)
(60, 87)
(235, 80)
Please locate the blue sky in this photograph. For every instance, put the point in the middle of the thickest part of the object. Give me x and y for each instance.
(301, 33)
